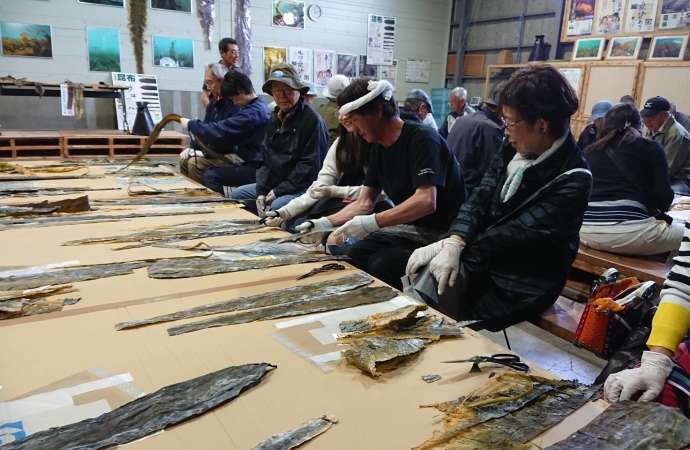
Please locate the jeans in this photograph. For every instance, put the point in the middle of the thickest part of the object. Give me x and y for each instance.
(247, 195)
(229, 175)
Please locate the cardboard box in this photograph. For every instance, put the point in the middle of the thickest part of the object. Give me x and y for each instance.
(474, 65)
(504, 57)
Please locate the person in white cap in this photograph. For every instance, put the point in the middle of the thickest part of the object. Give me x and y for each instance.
(329, 109)
(412, 164)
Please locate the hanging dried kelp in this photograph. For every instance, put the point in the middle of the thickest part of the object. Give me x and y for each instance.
(168, 406)
(38, 192)
(179, 232)
(512, 410)
(357, 297)
(376, 354)
(29, 302)
(137, 26)
(70, 205)
(207, 16)
(243, 34)
(79, 219)
(155, 133)
(298, 436)
(290, 295)
(199, 267)
(632, 425)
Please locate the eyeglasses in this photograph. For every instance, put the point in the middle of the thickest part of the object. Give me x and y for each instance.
(284, 91)
(507, 125)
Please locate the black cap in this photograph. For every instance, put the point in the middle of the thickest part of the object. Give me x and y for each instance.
(655, 105)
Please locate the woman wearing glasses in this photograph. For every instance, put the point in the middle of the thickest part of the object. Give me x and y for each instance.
(508, 251)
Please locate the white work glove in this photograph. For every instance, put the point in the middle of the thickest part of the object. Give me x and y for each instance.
(319, 191)
(316, 225)
(270, 197)
(273, 219)
(422, 257)
(189, 153)
(184, 122)
(445, 266)
(650, 377)
(261, 206)
(358, 227)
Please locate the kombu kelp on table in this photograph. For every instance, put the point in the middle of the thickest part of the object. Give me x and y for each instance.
(29, 302)
(69, 205)
(168, 406)
(298, 435)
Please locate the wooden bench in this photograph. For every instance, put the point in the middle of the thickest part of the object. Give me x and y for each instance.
(562, 318)
(645, 269)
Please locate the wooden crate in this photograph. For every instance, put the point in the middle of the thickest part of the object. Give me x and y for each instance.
(90, 143)
(28, 144)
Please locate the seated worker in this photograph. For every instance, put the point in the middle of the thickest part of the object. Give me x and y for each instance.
(457, 100)
(670, 331)
(419, 102)
(193, 161)
(589, 134)
(339, 182)
(631, 187)
(296, 143)
(680, 117)
(475, 138)
(512, 243)
(239, 138)
(673, 138)
(409, 162)
(229, 56)
(329, 109)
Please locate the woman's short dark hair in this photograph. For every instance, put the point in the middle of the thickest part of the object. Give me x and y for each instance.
(236, 83)
(357, 89)
(541, 92)
(621, 125)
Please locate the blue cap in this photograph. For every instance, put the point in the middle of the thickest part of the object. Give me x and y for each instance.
(600, 109)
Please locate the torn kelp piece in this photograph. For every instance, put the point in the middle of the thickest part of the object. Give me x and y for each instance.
(632, 425)
(199, 266)
(362, 296)
(38, 192)
(379, 321)
(69, 275)
(298, 436)
(151, 413)
(11, 309)
(179, 232)
(516, 409)
(272, 298)
(376, 354)
(331, 267)
(162, 200)
(74, 220)
(69, 205)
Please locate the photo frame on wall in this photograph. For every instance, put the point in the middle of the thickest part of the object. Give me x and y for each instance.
(116, 3)
(172, 5)
(288, 14)
(589, 49)
(624, 47)
(667, 48)
(173, 52)
(103, 45)
(26, 39)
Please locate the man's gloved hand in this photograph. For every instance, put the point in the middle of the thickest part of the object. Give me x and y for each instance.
(316, 225)
(320, 191)
(445, 266)
(184, 122)
(650, 377)
(270, 197)
(422, 257)
(358, 227)
(189, 153)
(261, 206)
(273, 219)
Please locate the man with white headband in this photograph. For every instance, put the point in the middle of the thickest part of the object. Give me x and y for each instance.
(413, 165)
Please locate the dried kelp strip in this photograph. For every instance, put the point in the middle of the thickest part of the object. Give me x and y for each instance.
(69, 275)
(330, 267)
(28, 307)
(357, 297)
(272, 298)
(298, 436)
(262, 247)
(163, 200)
(632, 425)
(380, 321)
(73, 220)
(13, 168)
(21, 211)
(35, 293)
(178, 232)
(151, 413)
(199, 266)
(150, 171)
(84, 176)
(523, 407)
(69, 205)
(375, 354)
(37, 192)
(158, 129)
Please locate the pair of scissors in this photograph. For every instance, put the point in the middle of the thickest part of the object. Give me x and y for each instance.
(504, 359)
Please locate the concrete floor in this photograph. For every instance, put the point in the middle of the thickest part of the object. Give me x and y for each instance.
(550, 352)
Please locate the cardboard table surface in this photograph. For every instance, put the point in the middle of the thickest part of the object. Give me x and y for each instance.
(378, 413)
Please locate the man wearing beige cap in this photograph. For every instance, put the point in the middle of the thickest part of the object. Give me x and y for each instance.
(296, 143)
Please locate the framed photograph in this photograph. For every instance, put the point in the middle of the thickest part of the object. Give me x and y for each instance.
(173, 5)
(324, 66)
(23, 39)
(668, 47)
(273, 56)
(580, 17)
(609, 16)
(624, 47)
(573, 75)
(103, 45)
(288, 14)
(674, 14)
(588, 49)
(347, 65)
(365, 70)
(118, 3)
(173, 52)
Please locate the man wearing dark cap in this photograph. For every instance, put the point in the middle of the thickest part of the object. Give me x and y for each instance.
(419, 102)
(296, 143)
(475, 138)
(675, 140)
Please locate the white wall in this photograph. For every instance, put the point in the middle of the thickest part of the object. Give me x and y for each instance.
(422, 34)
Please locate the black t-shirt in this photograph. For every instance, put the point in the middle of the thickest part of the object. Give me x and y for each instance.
(420, 157)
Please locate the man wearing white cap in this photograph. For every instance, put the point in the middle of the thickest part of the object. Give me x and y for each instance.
(329, 109)
(413, 165)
